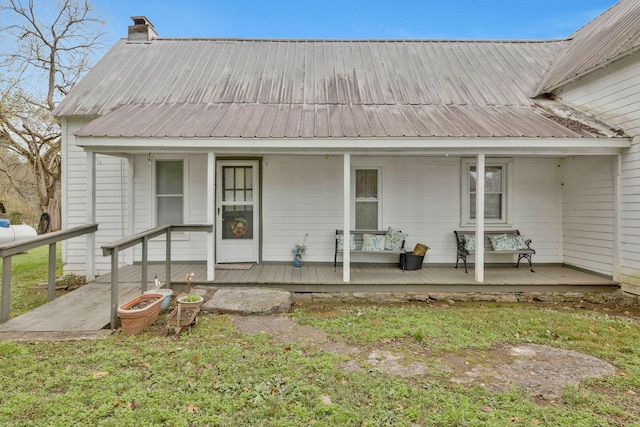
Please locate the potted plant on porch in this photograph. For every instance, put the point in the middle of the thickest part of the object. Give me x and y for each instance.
(299, 250)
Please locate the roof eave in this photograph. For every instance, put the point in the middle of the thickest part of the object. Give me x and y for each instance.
(456, 146)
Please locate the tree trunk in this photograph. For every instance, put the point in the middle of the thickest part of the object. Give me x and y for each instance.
(53, 208)
(50, 200)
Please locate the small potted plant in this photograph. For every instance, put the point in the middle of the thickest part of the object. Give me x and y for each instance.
(190, 300)
(298, 251)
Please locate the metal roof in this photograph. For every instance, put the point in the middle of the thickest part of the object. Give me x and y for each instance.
(244, 120)
(613, 34)
(317, 88)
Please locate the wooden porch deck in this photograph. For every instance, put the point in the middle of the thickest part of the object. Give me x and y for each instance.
(85, 313)
(376, 278)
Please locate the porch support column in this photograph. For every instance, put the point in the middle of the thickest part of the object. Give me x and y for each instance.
(211, 216)
(346, 254)
(131, 202)
(480, 219)
(91, 216)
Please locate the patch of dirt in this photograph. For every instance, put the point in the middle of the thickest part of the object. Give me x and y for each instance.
(538, 370)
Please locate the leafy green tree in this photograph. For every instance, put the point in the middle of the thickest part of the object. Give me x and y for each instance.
(46, 47)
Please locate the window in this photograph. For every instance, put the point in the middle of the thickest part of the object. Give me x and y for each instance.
(367, 198)
(169, 192)
(496, 195)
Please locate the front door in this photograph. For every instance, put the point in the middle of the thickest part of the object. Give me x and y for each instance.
(237, 219)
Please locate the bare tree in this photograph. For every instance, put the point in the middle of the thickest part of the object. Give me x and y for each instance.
(46, 47)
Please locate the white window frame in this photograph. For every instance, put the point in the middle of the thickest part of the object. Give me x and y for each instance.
(378, 198)
(185, 188)
(465, 206)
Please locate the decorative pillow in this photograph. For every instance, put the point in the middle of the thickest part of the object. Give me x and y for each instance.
(352, 242)
(470, 242)
(518, 242)
(393, 240)
(500, 242)
(373, 242)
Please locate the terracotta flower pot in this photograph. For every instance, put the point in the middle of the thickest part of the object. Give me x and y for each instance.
(135, 319)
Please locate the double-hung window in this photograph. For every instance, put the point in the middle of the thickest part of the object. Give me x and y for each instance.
(367, 198)
(496, 191)
(169, 183)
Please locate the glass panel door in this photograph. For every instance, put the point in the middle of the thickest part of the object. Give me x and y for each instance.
(237, 208)
(237, 202)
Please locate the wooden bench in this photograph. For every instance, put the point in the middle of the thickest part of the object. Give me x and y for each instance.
(524, 251)
(357, 234)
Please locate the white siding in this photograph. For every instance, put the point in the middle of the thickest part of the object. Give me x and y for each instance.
(630, 219)
(184, 247)
(589, 213)
(112, 214)
(303, 194)
(111, 201)
(535, 206)
(420, 196)
(612, 94)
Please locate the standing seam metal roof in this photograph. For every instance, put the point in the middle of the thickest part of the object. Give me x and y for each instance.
(613, 34)
(316, 88)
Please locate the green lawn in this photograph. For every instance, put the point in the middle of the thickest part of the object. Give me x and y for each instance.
(29, 278)
(219, 376)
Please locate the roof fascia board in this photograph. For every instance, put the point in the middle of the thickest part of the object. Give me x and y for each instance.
(428, 146)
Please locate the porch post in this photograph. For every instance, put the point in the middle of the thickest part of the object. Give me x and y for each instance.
(131, 201)
(346, 254)
(480, 218)
(211, 216)
(91, 216)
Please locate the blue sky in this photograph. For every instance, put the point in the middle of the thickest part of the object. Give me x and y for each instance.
(355, 19)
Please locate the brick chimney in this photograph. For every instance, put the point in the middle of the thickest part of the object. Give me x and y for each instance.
(142, 30)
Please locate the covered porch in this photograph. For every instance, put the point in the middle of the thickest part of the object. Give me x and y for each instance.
(321, 278)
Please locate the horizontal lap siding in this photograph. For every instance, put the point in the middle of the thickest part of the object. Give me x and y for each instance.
(535, 210)
(184, 246)
(420, 196)
(630, 217)
(112, 209)
(589, 213)
(111, 202)
(301, 194)
(611, 93)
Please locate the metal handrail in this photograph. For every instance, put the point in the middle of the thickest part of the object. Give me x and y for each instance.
(112, 249)
(10, 249)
